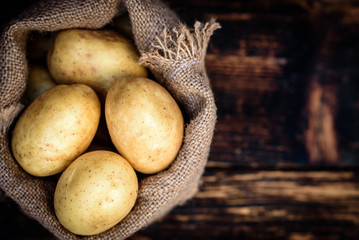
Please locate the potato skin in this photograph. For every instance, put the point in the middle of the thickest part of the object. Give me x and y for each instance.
(145, 123)
(93, 57)
(95, 192)
(38, 81)
(55, 128)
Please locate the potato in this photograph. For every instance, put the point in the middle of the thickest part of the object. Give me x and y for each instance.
(145, 123)
(95, 192)
(38, 81)
(93, 57)
(55, 128)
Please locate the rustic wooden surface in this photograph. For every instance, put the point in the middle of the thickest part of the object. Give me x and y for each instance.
(284, 160)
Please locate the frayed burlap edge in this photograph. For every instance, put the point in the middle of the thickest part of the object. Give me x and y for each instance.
(181, 46)
(176, 50)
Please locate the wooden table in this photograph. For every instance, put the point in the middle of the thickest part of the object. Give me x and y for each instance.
(284, 160)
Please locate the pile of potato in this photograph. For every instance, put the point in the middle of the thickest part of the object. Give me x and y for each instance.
(91, 75)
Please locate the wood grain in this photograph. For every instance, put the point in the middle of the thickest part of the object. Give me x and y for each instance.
(262, 64)
(271, 64)
(235, 204)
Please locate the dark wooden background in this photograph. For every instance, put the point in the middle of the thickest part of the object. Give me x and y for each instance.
(284, 160)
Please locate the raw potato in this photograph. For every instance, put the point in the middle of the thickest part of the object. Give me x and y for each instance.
(38, 81)
(55, 129)
(95, 192)
(93, 57)
(145, 123)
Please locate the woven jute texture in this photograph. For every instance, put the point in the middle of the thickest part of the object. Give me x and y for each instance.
(175, 55)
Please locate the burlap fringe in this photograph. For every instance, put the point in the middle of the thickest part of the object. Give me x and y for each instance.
(182, 46)
(7, 116)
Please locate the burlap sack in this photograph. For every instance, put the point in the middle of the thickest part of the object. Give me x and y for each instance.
(174, 54)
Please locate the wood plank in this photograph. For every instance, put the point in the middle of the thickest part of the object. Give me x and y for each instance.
(253, 110)
(235, 204)
(261, 66)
